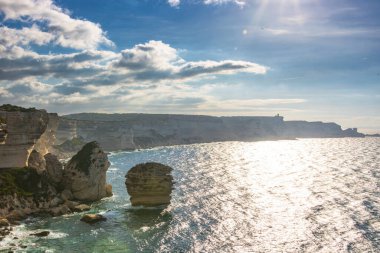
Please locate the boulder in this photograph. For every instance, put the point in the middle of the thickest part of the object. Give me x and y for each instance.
(37, 161)
(149, 184)
(81, 208)
(93, 218)
(60, 210)
(109, 190)
(85, 174)
(54, 168)
(71, 204)
(66, 195)
(4, 222)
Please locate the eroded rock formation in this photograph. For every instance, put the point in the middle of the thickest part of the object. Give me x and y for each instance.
(37, 161)
(54, 190)
(20, 130)
(46, 142)
(85, 173)
(54, 168)
(149, 184)
(33, 182)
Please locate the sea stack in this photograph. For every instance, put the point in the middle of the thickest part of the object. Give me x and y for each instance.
(85, 174)
(149, 184)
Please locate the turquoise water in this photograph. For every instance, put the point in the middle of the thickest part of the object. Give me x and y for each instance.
(309, 195)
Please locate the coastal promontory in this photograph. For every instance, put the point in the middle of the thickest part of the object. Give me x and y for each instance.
(21, 128)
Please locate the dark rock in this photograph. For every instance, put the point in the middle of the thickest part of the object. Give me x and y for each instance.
(149, 184)
(41, 234)
(54, 168)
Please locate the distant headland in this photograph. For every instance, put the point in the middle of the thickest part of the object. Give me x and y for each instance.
(67, 134)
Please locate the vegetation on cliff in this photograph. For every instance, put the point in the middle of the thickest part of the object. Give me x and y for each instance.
(83, 157)
(15, 108)
(20, 181)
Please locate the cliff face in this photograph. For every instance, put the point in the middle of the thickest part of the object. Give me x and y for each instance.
(45, 143)
(133, 131)
(22, 130)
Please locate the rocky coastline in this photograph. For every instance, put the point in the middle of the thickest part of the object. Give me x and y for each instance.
(34, 181)
(117, 132)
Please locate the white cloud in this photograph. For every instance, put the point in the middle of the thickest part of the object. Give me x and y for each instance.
(238, 2)
(156, 60)
(241, 3)
(48, 18)
(174, 3)
(152, 73)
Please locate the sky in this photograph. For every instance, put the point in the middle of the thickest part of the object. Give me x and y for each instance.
(316, 60)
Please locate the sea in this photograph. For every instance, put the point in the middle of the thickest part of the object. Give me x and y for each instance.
(306, 195)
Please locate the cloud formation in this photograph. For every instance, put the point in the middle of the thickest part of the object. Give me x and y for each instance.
(152, 73)
(52, 24)
(156, 60)
(175, 3)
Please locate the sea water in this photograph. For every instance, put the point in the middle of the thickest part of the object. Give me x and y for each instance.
(308, 195)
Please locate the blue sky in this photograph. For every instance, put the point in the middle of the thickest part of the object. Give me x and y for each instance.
(309, 59)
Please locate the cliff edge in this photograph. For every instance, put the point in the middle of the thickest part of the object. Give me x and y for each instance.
(20, 129)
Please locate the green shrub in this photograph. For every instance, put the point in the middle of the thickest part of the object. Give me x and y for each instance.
(11, 181)
(15, 108)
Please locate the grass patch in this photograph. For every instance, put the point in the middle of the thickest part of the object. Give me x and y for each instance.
(15, 108)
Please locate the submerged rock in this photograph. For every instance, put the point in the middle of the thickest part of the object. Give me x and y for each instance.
(81, 208)
(41, 234)
(85, 174)
(93, 218)
(149, 184)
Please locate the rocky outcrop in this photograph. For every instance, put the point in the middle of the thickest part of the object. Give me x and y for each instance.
(24, 191)
(54, 168)
(149, 184)
(32, 182)
(93, 218)
(37, 161)
(85, 173)
(29, 190)
(23, 127)
(46, 142)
